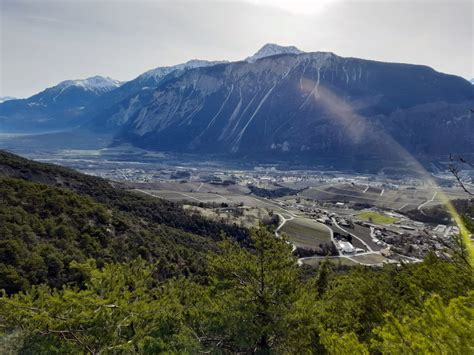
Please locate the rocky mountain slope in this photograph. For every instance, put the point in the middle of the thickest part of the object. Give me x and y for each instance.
(306, 105)
(106, 111)
(280, 103)
(73, 103)
(56, 107)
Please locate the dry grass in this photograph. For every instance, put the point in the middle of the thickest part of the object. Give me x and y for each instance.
(306, 232)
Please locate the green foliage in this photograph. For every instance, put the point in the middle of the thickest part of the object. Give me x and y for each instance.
(253, 291)
(253, 300)
(439, 329)
(89, 268)
(120, 309)
(114, 195)
(376, 217)
(345, 344)
(358, 300)
(469, 221)
(323, 275)
(43, 229)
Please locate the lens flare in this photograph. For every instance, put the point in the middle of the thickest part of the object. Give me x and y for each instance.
(358, 128)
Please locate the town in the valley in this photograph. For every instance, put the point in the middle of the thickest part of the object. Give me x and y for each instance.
(347, 218)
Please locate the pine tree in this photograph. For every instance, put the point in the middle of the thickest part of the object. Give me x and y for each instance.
(438, 329)
(253, 290)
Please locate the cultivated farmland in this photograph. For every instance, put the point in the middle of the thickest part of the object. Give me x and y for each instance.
(306, 232)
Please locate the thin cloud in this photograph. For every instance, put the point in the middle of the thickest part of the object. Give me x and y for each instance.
(47, 20)
(122, 39)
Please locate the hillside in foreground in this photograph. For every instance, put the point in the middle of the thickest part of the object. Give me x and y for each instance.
(51, 216)
(89, 267)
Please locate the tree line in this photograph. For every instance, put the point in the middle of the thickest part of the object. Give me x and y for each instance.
(252, 300)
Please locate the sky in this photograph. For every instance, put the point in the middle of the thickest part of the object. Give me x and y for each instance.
(43, 42)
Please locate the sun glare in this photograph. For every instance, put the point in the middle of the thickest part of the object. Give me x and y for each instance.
(299, 7)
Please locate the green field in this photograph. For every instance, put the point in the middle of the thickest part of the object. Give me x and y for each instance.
(376, 218)
(306, 232)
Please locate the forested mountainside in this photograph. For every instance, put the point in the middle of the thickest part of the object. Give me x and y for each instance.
(51, 216)
(43, 229)
(112, 194)
(81, 273)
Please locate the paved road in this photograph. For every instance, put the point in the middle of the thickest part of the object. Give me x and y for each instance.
(406, 204)
(225, 198)
(274, 205)
(353, 235)
(350, 257)
(283, 221)
(427, 202)
(331, 233)
(292, 216)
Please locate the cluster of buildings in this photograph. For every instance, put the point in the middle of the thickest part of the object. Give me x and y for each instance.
(124, 174)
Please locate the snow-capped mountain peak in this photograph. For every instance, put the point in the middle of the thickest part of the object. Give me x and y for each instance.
(160, 72)
(97, 84)
(270, 49)
(6, 98)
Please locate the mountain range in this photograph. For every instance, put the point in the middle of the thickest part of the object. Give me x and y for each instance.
(6, 98)
(57, 107)
(280, 103)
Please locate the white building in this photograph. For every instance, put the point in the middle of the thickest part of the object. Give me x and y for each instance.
(346, 247)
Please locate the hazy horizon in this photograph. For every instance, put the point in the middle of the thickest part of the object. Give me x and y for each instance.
(43, 43)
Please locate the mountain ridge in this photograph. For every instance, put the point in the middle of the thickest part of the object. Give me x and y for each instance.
(271, 49)
(7, 98)
(279, 105)
(57, 107)
(227, 107)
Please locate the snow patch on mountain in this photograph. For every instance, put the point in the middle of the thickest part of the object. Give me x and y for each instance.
(97, 84)
(6, 98)
(271, 49)
(158, 73)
